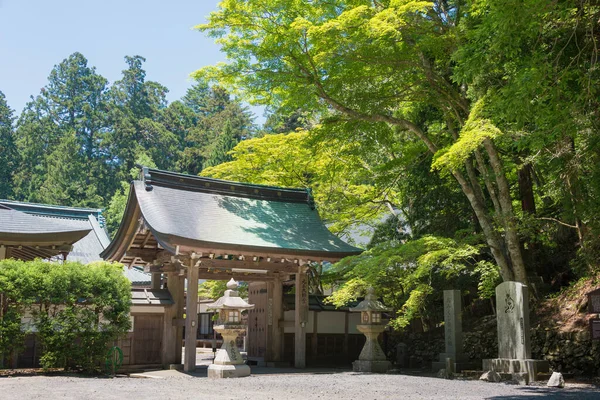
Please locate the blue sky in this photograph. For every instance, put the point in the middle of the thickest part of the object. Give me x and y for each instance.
(35, 35)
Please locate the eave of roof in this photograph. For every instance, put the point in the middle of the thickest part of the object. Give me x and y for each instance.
(84, 250)
(48, 210)
(18, 228)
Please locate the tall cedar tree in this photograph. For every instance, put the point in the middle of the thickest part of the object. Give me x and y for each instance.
(8, 149)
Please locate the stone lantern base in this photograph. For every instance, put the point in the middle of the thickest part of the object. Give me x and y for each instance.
(371, 366)
(228, 371)
(228, 360)
(371, 357)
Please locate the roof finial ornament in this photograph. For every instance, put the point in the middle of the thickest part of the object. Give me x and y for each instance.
(232, 284)
(146, 178)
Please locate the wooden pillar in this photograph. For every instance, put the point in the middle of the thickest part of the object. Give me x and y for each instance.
(314, 338)
(300, 320)
(179, 299)
(171, 322)
(191, 317)
(155, 280)
(2, 252)
(274, 320)
(277, 341)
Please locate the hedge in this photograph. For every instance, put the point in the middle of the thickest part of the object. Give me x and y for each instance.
(76, 310)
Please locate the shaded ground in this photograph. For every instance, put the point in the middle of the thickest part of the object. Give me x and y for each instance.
(271, 383)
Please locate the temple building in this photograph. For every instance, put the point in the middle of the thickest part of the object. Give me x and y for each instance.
(57, 233)
(181, 226)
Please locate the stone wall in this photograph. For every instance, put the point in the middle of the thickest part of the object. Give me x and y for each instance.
(571, 352)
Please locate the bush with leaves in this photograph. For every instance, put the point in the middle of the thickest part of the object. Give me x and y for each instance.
(76, 310)
(411, 277)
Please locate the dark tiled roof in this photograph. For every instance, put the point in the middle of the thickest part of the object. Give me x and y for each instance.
(47, 210)
(20, 228)
(137, 277)
(88, 247)
(315, 303)
(151, 297)
(185, 209)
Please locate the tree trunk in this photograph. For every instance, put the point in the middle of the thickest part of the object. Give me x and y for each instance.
(526, 189)
(492, 237)
(510, 222)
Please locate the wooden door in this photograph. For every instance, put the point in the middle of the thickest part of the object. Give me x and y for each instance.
(257, 320)
(147, 339)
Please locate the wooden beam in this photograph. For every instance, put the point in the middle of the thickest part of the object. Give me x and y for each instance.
(148, 255)
(237, 277)
(161, 268)
(145, 242)
(289, 267)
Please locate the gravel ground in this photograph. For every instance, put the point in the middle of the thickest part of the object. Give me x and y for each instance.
(285, 384)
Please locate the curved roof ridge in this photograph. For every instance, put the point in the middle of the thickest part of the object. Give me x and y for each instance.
(156, 177)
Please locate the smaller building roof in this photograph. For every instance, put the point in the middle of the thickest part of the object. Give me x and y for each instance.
(137, 277)
(20, 229)
(86, 249)
(315, 303)
(151, 297)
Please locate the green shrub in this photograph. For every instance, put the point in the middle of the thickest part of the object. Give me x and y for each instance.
(77, 310)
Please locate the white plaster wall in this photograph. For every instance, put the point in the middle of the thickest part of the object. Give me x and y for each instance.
(331, 322)
(353, 320)
(289, 317)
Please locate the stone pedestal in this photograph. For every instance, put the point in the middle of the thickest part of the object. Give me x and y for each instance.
(516, 366)
(228, 360)
(453, 336)
(514, 347)
(371, 357)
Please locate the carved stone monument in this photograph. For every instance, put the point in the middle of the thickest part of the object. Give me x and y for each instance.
(228, 360)
(453, 336)
(371, 358)
(514, 348)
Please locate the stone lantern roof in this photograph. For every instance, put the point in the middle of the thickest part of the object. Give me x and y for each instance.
(230, 300)
(370, 303)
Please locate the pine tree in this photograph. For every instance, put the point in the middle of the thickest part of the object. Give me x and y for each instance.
(224, 143)
(73, 103)
(8, 150)
(67, 179)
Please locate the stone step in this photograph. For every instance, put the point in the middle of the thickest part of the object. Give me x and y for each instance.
(458, 366)
(471, 373)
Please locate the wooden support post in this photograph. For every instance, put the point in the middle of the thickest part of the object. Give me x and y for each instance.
(314, 338)
(2, 252)
(179, 299)
(277, 339)
(301, 316)
(155, 280)
(169, 344)
(191, 317)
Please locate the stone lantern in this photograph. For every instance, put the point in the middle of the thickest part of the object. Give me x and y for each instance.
(371, 357)
(228, 360)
